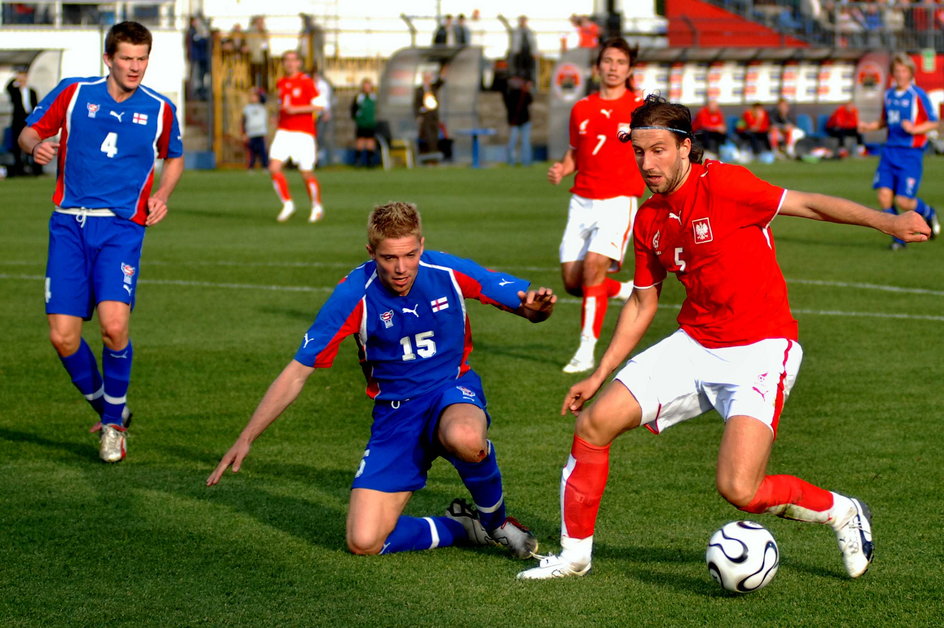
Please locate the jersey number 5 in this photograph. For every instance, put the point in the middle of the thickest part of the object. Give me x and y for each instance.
(425, 346)
(110, 144)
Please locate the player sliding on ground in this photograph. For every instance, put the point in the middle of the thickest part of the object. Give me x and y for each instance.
(406, 311)
(736, 351)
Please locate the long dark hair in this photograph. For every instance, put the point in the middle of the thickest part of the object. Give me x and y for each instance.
(659, 113)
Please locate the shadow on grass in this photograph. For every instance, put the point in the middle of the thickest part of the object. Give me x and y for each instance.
(84, 452)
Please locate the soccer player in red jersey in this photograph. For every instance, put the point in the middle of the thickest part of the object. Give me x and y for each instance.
(736, 350)
(710, 127)
(604, 195)
(295, 136)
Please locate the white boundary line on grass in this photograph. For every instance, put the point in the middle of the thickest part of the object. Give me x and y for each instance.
(568, 300)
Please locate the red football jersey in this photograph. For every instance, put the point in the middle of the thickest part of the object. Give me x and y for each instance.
(606, 167)
(297, 90)
(713, 233)
(708, 119)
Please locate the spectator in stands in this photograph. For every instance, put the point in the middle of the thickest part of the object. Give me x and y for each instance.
(571, 39)
(518, 101)
(255, 129)
(198, 54)
(426, 109)
(784, 132)
(461, 32)
(235, 41)
(754, 127)
(364, 114)
(523, 53)
(710, 128)
(445, 34)
(848, 26)
(258, 40)
(23, 99)
(873, 25)
(843, 124)
(589, 32)
(894, 18)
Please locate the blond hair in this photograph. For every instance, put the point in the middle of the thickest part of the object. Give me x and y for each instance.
(394, 219)
(903, 59)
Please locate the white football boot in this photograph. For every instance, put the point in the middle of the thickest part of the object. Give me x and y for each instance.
(554, 566)
(516, 538)
(112, 443)
(626, 289)
(854, 534)
(288, 208)
(583, 358)
(317, 213)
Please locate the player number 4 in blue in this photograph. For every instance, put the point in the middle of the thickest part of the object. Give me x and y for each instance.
(110, 144)
(424, 343)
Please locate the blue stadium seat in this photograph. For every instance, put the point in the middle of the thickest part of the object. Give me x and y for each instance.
(821, 121)
(732, 126)
(805, 122)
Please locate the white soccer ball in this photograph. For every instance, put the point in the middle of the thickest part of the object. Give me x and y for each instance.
(742, 556)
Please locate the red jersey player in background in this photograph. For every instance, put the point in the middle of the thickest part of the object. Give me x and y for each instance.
(604, 195)
(295, 136)
(710, 127)
(736, 350)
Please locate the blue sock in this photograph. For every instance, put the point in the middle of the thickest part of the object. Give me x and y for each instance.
(925, 210)
(484, 481)
(83, 369)
(116, 373)
(422, 533)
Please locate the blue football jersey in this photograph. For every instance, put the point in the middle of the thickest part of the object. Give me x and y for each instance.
(408, 345)
(107, 149)
(911, 104)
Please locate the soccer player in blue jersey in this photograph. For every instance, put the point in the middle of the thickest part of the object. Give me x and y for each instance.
(406, 310)
(909, 116)
(112, 130)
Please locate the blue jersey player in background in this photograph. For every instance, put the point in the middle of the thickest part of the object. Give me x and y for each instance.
(112, 130)
(406, 310)
(909, 116)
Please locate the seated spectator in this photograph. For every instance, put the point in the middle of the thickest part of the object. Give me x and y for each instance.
(710, 127)
(754, 127)
(843, 124)
(784, 131)
(589, 32)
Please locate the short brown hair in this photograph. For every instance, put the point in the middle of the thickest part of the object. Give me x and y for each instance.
(394, 219)
(659, 113)
(631, 52)
(126, 32)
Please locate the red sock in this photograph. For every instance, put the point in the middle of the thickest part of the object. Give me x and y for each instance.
(612, 287)
(314, 190)
(280, 183)
(790, 497)
(583, 479)
(594, 309)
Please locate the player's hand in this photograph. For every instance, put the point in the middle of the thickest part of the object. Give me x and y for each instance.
(578, 395)
(555, 173)
(234, 457)
(157, 210)
(537, 305)
(911, 227)
(44, 152)
(907, 126)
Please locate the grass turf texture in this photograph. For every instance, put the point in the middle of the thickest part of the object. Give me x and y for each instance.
(224, 298)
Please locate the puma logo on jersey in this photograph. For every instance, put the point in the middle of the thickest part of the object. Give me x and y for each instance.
(307, 340)
(407, 310)
(116, 114)
(504, 282)
(606, 112)
(676, 216)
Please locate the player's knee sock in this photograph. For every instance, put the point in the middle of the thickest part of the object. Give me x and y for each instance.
(790, 497)
(923, 209)
(314, 190)
(484, 481)
(421, 533)
(582, 484)
(280, 183)
(594, 310)
(116, 373)
(83, 369)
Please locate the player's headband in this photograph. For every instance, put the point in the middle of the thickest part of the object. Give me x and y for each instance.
(661, 128)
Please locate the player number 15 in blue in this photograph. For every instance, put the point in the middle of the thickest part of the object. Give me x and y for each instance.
(425, 346)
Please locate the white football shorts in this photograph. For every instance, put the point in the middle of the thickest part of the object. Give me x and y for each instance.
(601, 226)
(678, 379)
(296, 146)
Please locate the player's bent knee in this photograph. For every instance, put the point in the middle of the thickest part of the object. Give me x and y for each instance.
(738, 494)
(364, 544)
(64, 344)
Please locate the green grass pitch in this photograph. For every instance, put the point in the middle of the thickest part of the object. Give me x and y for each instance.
(226, 294)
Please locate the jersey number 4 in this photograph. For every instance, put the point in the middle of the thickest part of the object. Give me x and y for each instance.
(425, 346)
(110, 144)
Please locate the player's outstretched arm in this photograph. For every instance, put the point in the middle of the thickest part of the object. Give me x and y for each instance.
(536, 305)
(634, 320)
(282, 392)
(908, 226)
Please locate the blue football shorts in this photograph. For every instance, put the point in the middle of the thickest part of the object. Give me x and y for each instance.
(900, 170)
(403, 441)
(91, 259)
